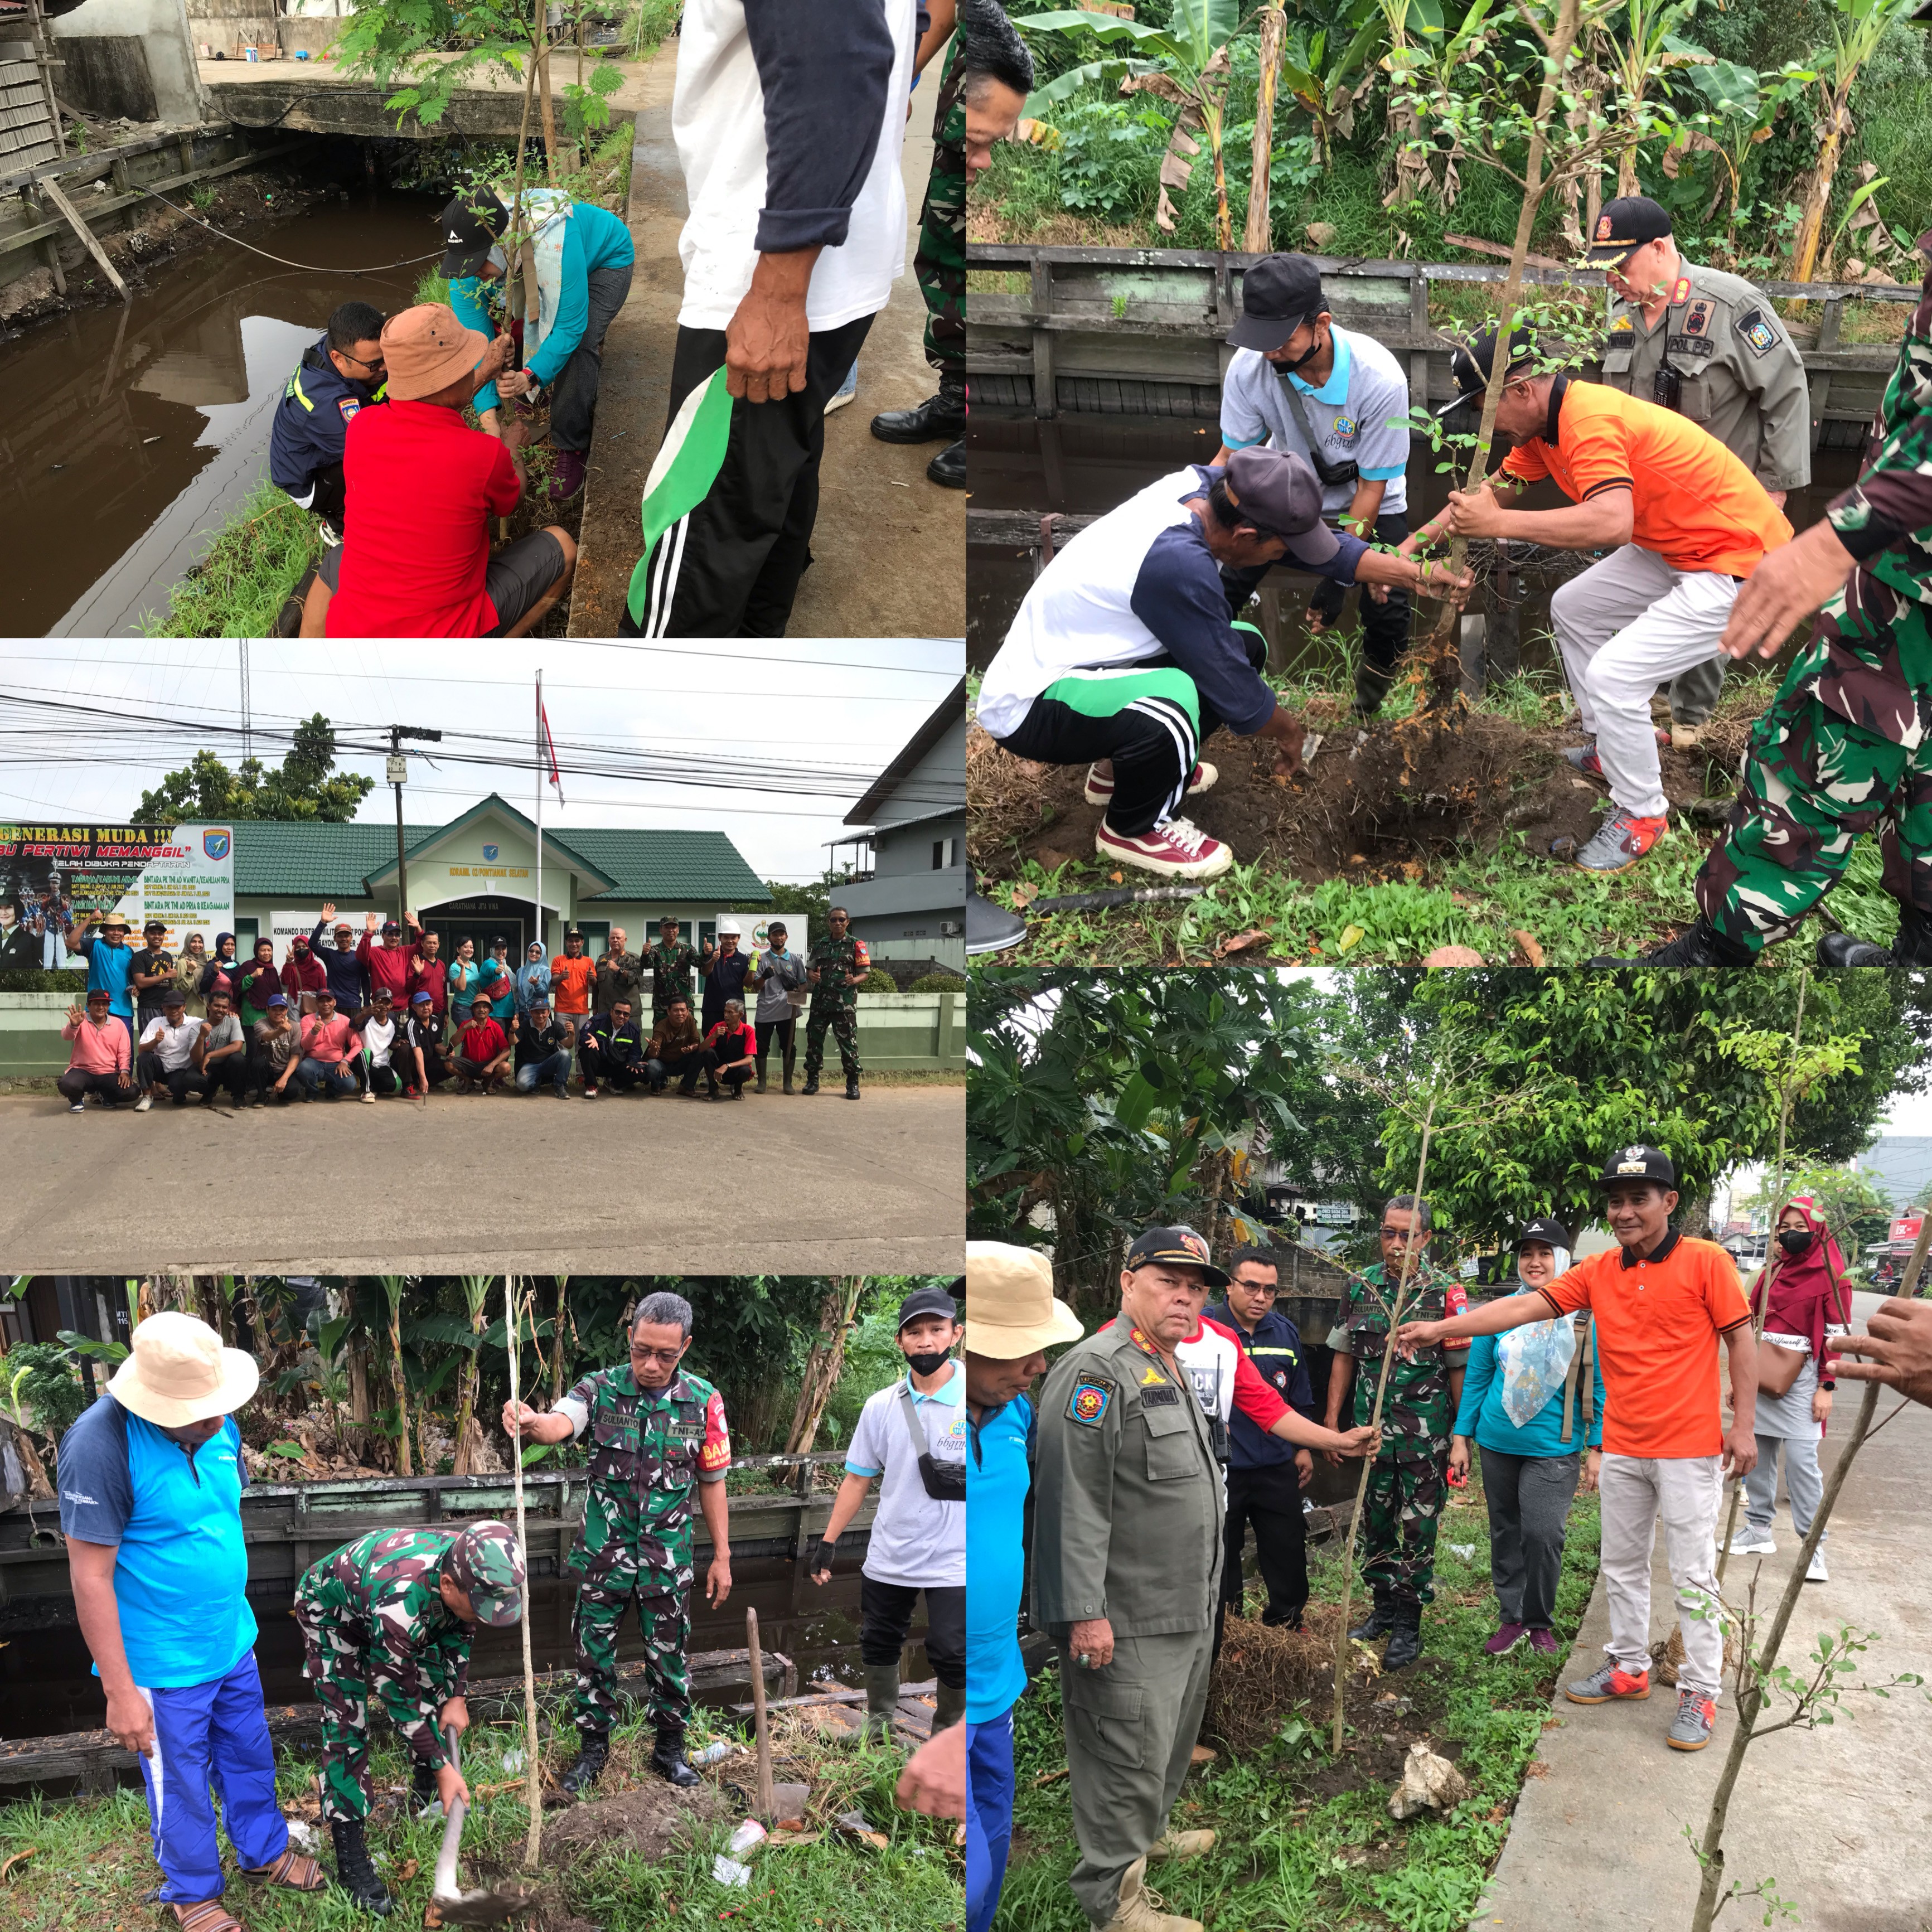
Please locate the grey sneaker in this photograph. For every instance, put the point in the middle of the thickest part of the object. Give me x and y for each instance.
(1585, 758)
(1620, 841)
(1607, 1684)
(1697, 1717)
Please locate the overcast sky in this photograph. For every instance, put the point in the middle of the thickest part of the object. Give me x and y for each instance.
(842, 702)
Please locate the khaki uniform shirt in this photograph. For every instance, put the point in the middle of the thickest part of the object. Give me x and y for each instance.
(1743, 380)
(1128, 1522)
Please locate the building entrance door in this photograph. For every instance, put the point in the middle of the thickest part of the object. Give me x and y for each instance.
(482, 921)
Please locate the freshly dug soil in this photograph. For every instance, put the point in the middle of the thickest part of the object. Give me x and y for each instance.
(1383, 802)
(649, 1819)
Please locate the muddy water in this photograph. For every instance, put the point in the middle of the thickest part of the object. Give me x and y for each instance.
(1082, 465)
(133, 430)
(46, 1687)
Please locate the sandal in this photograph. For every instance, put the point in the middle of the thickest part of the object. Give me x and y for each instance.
(210, 1915)
(294, 1869)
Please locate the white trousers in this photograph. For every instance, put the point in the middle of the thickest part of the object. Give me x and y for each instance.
(1684, 1492)
(1627, 625)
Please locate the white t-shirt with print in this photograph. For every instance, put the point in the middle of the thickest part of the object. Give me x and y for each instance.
(917, 1543)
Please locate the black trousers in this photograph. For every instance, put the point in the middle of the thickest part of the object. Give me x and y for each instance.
(182, 1081)
(573, 398)
(885, 1615)
(785, 1032)
(731, 567)
(1384, 626)
(596, 1066)
(384, 1079)
(1154, 751)
(229, 1074)
(1269, 1497)
(73, 1084)
(688, 1066)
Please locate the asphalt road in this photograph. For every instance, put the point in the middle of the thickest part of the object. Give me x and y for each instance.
(765, 1185)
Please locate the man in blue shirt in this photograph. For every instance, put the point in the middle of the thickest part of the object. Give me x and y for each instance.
(1265, 1473)
(110, 965)
(151, 1479)
(1013, 1317)
(337, 378)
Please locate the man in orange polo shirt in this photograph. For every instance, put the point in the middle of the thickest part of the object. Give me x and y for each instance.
(1688, 523)
(1660, 1301)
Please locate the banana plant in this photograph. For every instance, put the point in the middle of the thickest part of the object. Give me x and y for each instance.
(1637, 46)
(1185, 62)
(1327, 71)
(475, 1296)
(393, 1286)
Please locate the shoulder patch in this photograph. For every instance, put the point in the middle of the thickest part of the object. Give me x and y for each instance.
(1088, 1401)
(1756, 333)
(1161, 1397)
(348, 406)
(1698, 320)
(1681, 290)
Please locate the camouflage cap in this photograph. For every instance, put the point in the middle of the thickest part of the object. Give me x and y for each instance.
(487, 1567)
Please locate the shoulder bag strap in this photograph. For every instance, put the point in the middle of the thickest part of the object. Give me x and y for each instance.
(1329, 473)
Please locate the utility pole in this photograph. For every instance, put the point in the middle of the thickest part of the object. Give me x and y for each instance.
(398, 773)
(248, 733)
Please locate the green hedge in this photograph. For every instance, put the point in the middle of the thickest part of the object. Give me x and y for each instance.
(938, 982)
(33, 979)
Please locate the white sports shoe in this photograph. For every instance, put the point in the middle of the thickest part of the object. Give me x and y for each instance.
(1750, 1542)
(1176, 850)
(142, 1105)
(1100, 790)
(1815, 1571)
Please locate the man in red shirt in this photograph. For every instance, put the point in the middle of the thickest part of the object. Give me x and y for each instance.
(482, 1052)
(1661, 1302)
(421, 488)
(737, 1046)
(389, 964)
(429, 972)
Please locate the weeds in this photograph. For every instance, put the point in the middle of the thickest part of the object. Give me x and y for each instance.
(238, 589)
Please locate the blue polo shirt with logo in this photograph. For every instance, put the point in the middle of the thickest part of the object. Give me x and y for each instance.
(999, 1460)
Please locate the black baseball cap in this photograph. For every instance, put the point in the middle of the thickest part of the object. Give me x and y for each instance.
(1551, 1234)
(1639, 1163)
(1279, 293)
(1470, 365)
(931, 1301)
(389, 926)
(1278, 493)
(1623, 227)
(1181, 1245)
(470, 225)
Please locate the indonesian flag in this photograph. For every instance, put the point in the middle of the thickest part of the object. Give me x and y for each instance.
(547, 751)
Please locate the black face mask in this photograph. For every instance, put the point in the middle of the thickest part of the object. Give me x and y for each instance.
(1301, 360)
(929, 1364)
(1794, 1240)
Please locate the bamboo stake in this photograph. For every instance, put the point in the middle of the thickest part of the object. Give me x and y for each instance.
(533, 1764)
(1274, 25)
(765, 1801)
(1375, 1420)
(1750, 1687)
(543, 96)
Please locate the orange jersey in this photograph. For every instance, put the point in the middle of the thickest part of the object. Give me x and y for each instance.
(570, 981)
(1692, 503)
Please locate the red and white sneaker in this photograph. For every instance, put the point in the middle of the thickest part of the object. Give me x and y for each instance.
(1175, 851)
(1621, 841)
(1100, 790)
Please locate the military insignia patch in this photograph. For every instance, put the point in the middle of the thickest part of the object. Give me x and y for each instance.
(1088, 1401)
(1623, 326)
(1153, 1378)
(348, 406)
(1758, 334)
(1603, 228)
(1164, 1397)
(1681, 291)
(1698, 320)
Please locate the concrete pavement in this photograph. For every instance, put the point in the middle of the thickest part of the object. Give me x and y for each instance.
(768, 1185)
(1836, 1815)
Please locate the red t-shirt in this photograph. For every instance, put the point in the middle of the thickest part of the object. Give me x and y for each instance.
(481, 1041)
(431, 976)
(422, 487)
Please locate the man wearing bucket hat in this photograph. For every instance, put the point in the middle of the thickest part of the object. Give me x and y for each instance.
(152, 1478)
(1661, 1302)
(1124, 656)
(391, 1617)
(110, 966)
(1013, 1317)
(422, 487)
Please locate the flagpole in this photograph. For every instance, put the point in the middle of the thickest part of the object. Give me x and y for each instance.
(540, 786)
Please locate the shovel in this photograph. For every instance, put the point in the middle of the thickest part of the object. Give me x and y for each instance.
(448, 1905)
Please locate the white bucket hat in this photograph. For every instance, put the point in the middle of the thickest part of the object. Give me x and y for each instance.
(179, 1373)
(1011, 1309)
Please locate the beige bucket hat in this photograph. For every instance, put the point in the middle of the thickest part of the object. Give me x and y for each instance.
(178, 1372)
(1011, 1308)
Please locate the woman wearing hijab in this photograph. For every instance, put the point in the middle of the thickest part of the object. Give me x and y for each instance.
(1809, 1300)
(191, 963)
(1523, 1393)
(222, 970)
(255, 984)
(303, 976)
(533, 978)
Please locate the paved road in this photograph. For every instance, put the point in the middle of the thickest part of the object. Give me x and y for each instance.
(766, 1185)
(1836, 1815)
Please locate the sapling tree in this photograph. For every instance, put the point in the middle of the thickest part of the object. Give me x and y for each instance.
(475, 1297)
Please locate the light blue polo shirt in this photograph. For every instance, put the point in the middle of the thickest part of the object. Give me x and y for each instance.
(181, 1576)
(916, 1543)
(997, 1479)
(1359, 415)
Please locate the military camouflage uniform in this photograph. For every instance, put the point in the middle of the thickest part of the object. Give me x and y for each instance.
(1403, 1501)
(374, 1623)
(671, 969)
(941, 263)
(1846, 745)
(647, 1449)
(834, 1004)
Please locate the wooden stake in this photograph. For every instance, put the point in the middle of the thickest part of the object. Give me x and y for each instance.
(532, 1764)
(52, 189)
(1274, 25)
(765, 1806)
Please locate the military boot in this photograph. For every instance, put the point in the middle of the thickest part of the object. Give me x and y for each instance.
(882, 1701)
(810, 1086)
(667, 1760)
(1700, 944)
(851, 1086)
(948, 469)
(952, 1707)
(1380, 1619)
(1141, 1910)
(354, 1869)
(593, 1752)
(939, 419)
(1913, 947)
(1405, 1644)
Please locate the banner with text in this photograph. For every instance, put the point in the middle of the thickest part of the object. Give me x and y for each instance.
(57, 876)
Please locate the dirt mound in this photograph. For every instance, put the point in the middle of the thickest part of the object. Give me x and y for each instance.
(1382, 801)
(650, 1820)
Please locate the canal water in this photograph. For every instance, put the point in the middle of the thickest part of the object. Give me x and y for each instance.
(1083, 465)
(136, 429)
(45, 1686)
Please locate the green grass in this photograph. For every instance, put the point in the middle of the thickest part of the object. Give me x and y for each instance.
(1287, 1861)
(92, 1867)
(238, 589)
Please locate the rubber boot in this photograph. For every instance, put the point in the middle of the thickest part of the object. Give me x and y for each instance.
(761, 1076)
(791, 1060)
(948, 469)
(952, 1707)
(939, 419)
(592, 1753)
(851, 1086)
(1141, 1910)
(354, 1869)
(1405, 1645)
(1378, 1620)
(1371, 685)
(667, 1760)
(882, 1701)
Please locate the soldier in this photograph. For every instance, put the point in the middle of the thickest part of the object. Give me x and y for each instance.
(392, 1615)
(1709, 346)
(1843, 747)
(835, 971)
(670, 963)
(654, 1431)
(1403, 1502)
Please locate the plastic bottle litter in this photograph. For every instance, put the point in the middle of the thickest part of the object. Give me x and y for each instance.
(729, 1871)
(750, 1833)
(1464, 1550)
(713, 1753)
(514, 1761)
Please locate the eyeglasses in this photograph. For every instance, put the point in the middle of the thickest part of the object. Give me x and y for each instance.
(361, 361)
(1389, 1233)
(668, 1356)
